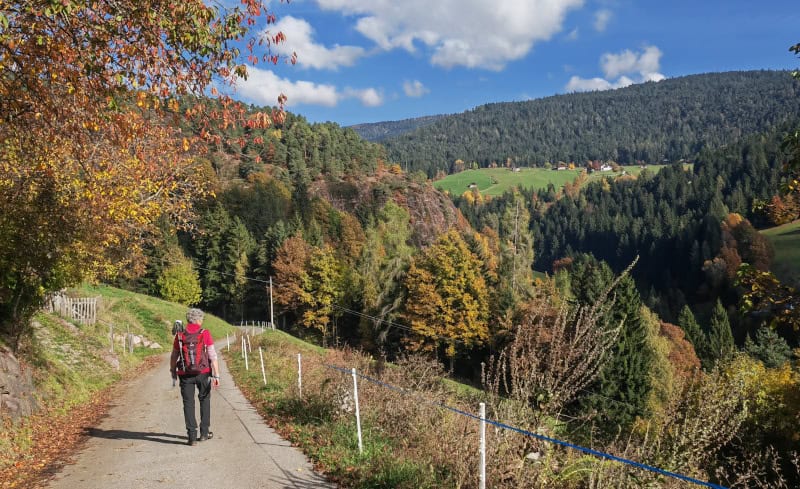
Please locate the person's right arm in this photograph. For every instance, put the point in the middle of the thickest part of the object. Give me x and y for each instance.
(173, 359)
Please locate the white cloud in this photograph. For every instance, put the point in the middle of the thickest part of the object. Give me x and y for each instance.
(642, 67)
(475, 34)
(573, 35)
(601, 19)
(369, 97)
(647, 63)
(300, 40)
(414, 88)
(264, 86)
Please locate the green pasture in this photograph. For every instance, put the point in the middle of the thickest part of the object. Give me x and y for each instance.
(495, 181)
(786, 241)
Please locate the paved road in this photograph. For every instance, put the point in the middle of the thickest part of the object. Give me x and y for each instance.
(141, 444)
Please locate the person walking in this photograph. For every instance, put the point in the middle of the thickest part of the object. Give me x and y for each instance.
(194, 362)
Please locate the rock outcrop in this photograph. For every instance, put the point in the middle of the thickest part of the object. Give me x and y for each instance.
(16, 386)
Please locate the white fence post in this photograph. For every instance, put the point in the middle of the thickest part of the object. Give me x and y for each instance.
(483, 447)
(227, 342)
(246, 366)
(299, 375)
(358, 413)
(263, 374)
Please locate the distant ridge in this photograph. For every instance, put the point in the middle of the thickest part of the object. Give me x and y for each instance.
(378, 131)
(650, 122)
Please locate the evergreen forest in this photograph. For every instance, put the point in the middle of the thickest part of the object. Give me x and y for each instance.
(650, 123)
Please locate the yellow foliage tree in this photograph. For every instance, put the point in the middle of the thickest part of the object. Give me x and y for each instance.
(90, 154)
(447, 298)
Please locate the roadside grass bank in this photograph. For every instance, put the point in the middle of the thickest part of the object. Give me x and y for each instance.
(322, 421)
(409, 439)
(74, 373)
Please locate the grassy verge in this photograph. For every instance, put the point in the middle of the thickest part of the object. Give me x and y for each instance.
(322, 421)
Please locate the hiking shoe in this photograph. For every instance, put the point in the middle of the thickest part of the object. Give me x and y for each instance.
(209, 436)
(191, 442)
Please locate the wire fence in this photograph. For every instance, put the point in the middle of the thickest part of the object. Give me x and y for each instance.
(481, 418)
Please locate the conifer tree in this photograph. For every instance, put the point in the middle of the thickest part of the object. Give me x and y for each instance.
(769, 347)
(622, 389)
(720, 336)
(696, 336)
(208, 250)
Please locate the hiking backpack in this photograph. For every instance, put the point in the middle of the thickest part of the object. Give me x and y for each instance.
(193, 357)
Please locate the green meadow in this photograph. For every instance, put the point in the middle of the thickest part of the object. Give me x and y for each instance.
(786, 240)
(495, 181)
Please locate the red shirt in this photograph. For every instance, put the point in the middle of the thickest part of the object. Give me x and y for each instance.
(192, 328)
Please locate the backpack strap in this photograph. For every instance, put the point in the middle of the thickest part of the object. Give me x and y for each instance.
(181, 362)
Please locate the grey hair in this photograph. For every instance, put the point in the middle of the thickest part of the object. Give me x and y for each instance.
(194, 316)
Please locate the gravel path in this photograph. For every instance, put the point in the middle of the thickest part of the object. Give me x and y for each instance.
(141, 444)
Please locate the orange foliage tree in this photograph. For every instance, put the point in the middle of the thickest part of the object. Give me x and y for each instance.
(447, 302)
(91, 155)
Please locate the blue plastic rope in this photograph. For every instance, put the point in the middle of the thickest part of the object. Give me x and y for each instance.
(536, 435)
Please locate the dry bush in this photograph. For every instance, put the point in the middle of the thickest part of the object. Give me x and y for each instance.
(698, 421)
(551, 359)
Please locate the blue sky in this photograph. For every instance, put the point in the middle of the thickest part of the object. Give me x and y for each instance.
(380, 60)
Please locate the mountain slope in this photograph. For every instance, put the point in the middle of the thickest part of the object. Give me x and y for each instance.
(378, 131)
(671, 119)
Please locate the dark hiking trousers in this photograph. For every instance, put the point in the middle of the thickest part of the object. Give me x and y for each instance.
(203, 383)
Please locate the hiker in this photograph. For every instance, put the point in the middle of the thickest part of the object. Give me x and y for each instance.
(194, 362)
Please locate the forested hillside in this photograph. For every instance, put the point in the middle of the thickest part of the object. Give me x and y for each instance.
(378, 131)
(669, 120)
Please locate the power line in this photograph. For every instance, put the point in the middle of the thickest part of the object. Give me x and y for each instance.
(396, 325)
(342, 308)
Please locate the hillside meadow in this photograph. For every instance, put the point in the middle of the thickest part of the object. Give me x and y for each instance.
(786, 241)
(496, 181)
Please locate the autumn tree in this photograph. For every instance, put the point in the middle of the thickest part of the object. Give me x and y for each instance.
(766, 298)
(180, 283)
(291, 275)
(89, 158)
(447, 305)
(322, 292)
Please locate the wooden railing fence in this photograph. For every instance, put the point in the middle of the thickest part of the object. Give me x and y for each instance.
(80, 309)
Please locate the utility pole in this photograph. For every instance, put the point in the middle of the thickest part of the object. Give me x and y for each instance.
(516, 233)
(271, 317)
